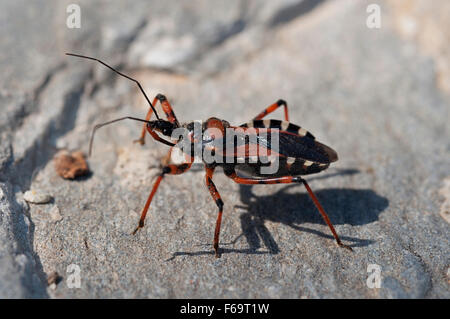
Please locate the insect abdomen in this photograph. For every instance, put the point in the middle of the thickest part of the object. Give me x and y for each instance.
(299, 152)
(285, 167)
(280, 125)
(298, 166)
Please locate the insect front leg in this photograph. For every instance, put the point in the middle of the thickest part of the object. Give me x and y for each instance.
(168, 110)
(218, 200)
(141, 139)
(171, 169)
(272, 108)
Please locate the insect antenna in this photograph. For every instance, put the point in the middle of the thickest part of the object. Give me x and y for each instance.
(96, 127)
(124, 75)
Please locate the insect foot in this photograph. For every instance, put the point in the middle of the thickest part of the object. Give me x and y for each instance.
(140, 141)
(345, 246)
(141, 224)
(216, 250)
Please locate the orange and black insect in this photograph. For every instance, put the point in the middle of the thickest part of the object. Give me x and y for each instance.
(297, 152)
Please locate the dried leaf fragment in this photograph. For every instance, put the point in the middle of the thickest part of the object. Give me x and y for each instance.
(70, 165)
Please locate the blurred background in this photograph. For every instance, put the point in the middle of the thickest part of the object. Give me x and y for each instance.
(371, 79)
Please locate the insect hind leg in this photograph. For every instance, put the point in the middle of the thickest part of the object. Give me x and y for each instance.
(289, 180)
(323, 213)
(272, 108)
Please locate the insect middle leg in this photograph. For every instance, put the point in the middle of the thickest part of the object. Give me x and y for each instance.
(272, 108)
(168, 110)
(218, 200)
(171, 169)
(288, 180)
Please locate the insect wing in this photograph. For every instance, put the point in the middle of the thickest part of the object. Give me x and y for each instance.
(306, 148)
(252, 142)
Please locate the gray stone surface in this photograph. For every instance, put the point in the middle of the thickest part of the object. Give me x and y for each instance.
(369, 93)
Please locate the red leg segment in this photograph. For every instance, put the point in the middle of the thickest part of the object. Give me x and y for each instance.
(272, 108)
(216, 196)
(167, 108)
(141, 139)
(324, 215)
(287, 180)
(171, 169)
(254, 181)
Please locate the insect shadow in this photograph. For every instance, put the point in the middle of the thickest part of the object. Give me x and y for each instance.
(343, 205)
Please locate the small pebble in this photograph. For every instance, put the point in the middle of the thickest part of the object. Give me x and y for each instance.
(36, 197)
(54, 214)
(70, 165)
(53, 279)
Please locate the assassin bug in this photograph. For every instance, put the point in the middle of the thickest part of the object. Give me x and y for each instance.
(298, 151)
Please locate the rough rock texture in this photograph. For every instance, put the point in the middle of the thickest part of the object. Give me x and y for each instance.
(427, 23)
(369, 93)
